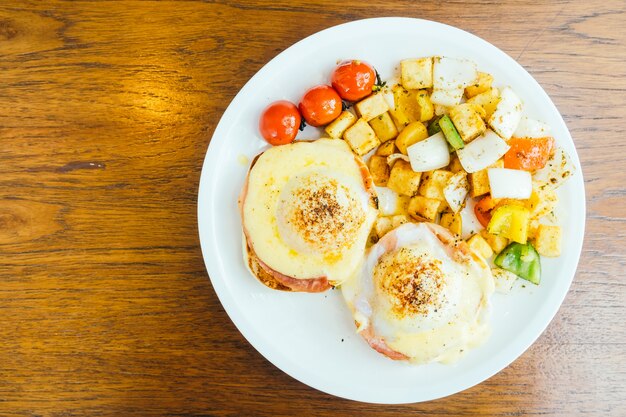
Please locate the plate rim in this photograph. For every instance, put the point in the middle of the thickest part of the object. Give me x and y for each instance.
(206, 183)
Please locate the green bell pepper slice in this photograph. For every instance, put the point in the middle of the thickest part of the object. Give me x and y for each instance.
(450, 132)
(434, 127)
(521, 259)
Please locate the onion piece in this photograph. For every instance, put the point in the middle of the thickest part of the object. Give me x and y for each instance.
(391, 159)
(456, 190)
(387, 201)
(557, 170)
(469, 223)
(531, 128)
(510, 183)
(508, 113)
(453, 73)
(430, 153)
(482, 152)
(447, 97)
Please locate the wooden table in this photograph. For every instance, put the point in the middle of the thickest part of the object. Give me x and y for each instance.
(106, 111)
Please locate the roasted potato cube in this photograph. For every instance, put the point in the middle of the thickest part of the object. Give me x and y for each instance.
(480, 246)
(533, 227)
(371, 106)
(382, 226)
(451, 221)
(399, 119)
(441, 110)
(455, 164)
(387, 148)
(433, 182)
(482, 84)
(548, 240)
(417, 73)
(497, 243)
(488, 101)
(402, 207)
(379, 169)
(403, 179)
(479, 180)
(413, 133)
(424, 209)
(361, 137)
(399, 220)
(426, 107)
(479, 183)
(337, 127)
(467, 121)
(542, 200)
(479, 109)
(384, 127)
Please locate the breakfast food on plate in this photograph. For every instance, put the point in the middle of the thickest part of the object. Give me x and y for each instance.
(307, 210)
(320, 105)
(465, 186)
(421, 295)
(353, 80)
(467, 158)
(280, 122)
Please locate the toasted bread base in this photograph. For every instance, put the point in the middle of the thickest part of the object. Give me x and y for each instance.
(252, 261)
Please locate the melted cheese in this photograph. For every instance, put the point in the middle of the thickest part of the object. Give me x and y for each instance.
(307, 212)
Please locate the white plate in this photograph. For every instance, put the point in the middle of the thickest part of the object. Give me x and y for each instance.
(312, 336)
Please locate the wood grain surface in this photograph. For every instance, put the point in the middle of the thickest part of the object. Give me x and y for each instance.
(106, 112)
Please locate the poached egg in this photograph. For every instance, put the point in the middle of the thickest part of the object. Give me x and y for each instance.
(421, 295)
(307, 210)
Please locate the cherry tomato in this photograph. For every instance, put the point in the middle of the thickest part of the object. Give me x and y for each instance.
(320, 105)
(280, 122)
(483, 209)
(353, 80)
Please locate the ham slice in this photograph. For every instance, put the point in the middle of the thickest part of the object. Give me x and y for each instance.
(368, 181)
(379, 345)
(278, 281)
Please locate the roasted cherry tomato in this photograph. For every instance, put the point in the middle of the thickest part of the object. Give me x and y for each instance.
(280, 122)
(483, 209)
(353, 80)
(320, 105)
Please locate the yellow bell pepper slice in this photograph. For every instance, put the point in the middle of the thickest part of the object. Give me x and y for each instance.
(414, 132)
(406, 108)
(510, 221)
(427, 109)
